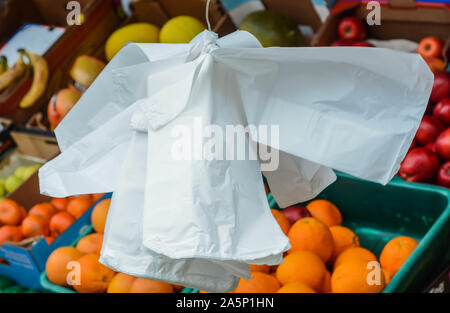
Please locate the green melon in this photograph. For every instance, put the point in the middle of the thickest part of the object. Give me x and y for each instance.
(272, 29)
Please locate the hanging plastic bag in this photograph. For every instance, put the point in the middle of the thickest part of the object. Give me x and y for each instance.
(198, 219)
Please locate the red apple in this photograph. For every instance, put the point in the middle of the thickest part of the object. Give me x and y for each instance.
(351, 28)
(431, 146)
(442, 110)
(420, 165)
(430, 47)
(444, 175)
(362, 44)
(429, 129)
(342, 43)
(441, 86)
(443, 144)
(413, 144)
(296, 212)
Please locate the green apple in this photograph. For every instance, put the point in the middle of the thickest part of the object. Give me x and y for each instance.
(37, 166)
(19, 172)
(28, 172)
(12, 183)
(2, 191)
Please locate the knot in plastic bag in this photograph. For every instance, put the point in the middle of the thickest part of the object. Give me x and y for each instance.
(204, 43)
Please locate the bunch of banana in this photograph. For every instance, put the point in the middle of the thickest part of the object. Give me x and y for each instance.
(3, 64)
(40, 79)
(11, 74)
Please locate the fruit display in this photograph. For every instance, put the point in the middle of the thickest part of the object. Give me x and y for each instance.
(427, 159)
(369, 248)
(95, 277)
(48, 219)
(38, 67)
(10, 183)
(61, 104)
(137, 32)
(85, 70)
(326, 257)
(352, 32)
(180, 29)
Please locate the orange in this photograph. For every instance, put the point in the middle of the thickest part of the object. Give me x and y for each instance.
(260, 268)
(78, 206)
(49, 239)
(259, 283)
(99, 214)
(59, 203)
(10, 213)
(343, 238)
(435, 64)
(60, 222)
(10, 233)
(430, 47)
(90, 244)
(354, 277)
(141, 285)
(325, 211)
(44, 210)
(94, 276)
(57, 264)
(354, 253)
(326, 283)
(296, 287)
(121, 283)
(395, 253)
(282, 221)
(304, 267)
(309, 234)
(33, 226)
(23, 212)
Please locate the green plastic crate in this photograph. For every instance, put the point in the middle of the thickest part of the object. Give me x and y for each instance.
(7, 285)
(379, 213)
(49, 286)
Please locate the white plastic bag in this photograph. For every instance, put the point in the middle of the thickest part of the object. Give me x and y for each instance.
(199, 222)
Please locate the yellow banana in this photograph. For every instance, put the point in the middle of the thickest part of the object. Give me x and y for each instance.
(11, 74)
(40, 80)
(3, 64)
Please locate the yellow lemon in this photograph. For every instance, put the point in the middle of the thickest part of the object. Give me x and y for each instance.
(137, 32)
(181, 29)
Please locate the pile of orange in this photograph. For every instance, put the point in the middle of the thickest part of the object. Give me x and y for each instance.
(48, 219)
(78, 267)
(326, 257)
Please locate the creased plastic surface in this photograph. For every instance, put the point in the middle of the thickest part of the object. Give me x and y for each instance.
(200, 222)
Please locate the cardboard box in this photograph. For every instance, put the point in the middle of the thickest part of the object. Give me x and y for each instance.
(400, 19)
(100, 20)
(25, 261)
(160, 11)
(35, 143)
